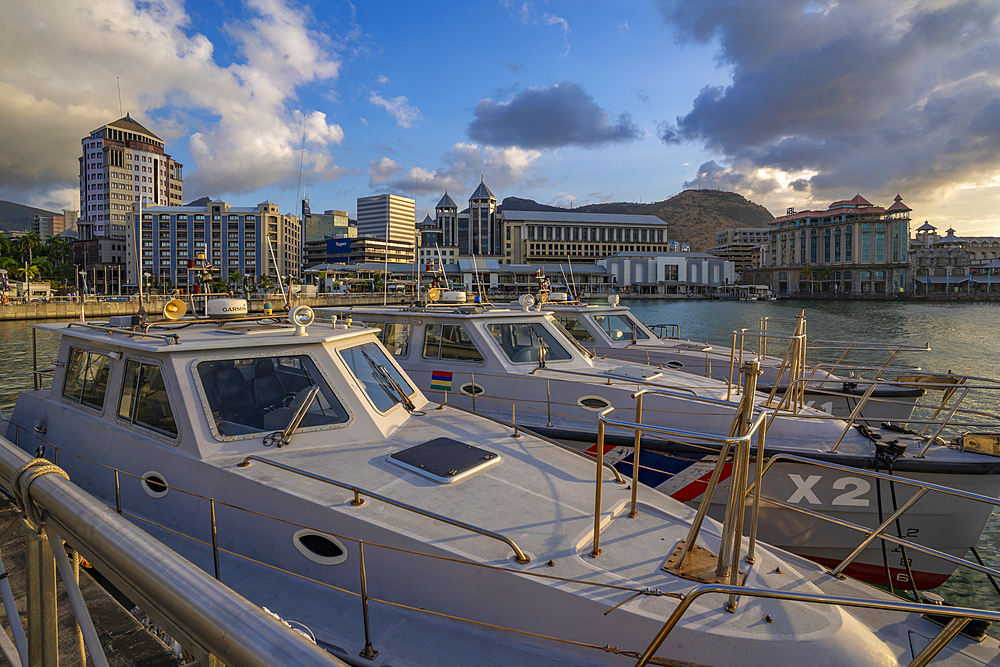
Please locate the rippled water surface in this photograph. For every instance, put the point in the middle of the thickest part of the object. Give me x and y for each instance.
(962, 337)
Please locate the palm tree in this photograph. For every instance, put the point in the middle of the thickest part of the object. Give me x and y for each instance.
(28, 272)
(824, 276)
(28, 243)
(57, 249)
(805, 275)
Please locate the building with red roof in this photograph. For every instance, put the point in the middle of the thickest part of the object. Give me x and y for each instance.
(852, 247)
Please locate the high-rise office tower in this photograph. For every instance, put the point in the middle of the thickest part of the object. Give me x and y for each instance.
(124, 163)
(388, 217)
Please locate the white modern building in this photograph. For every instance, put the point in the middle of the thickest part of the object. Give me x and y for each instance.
(668, 273)
(388, 217)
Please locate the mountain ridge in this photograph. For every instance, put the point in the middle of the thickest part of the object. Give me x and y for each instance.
(692, 216)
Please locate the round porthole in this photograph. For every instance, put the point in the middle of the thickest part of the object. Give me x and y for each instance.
(154, 484)
(593, 403)
(320, 547)
(470, 389)
(674, 364)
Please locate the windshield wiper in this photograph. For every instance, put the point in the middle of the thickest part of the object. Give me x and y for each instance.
(388, 383)
(282, 438)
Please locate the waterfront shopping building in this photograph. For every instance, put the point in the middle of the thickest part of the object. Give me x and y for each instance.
(233, 239)
(853, 247)
(525, 237)
(124, 163)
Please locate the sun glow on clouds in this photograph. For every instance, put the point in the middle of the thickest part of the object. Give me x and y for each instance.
(464, 165)
(171, 80)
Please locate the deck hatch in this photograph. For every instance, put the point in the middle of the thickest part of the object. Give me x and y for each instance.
(444, 460)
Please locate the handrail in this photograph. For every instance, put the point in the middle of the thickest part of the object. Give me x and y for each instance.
(873, 384)
(607, 375)
(745, 425)
(127, 332)
(358, 491)
(209, 614)
(960, 615)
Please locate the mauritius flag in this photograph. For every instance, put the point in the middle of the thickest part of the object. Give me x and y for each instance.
(441, 380)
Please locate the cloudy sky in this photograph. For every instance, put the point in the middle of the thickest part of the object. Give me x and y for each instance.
(787, 102)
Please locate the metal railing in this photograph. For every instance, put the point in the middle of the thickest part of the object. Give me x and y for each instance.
(206, 617)
(950, 385)
(519, 555)
(871, 534)
(685, 599)
(959, 615)
(666, 330)
(747, 422)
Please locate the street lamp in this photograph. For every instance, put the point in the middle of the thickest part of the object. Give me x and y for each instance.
(83, 294)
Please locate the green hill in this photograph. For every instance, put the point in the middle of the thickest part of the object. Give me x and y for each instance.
(17, 217)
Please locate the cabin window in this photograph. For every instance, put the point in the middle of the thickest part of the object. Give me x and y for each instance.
(365, 362)
(520, 342)
(261, 394)
(395, 336)
(144, 398)
(87, 378)
(450, 342)
(620, 328)
(575, 328)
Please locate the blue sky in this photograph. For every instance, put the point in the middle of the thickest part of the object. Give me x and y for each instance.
(788, 102)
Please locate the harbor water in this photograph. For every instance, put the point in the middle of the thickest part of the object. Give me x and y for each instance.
(962, 339)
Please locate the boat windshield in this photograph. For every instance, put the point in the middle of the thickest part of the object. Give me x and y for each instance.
(573, 338)
(574, 327)
(260, 394)
(620, 327)
(520, 342)
(365, 362)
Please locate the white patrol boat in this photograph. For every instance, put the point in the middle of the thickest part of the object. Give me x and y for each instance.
(304, 468)
(610, 330)
(520, 366)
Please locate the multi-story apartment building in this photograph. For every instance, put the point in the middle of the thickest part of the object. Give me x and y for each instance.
(251, 241)
(54, 225)
(737, 245)
(124, 163)
(852, 247)
(388, 217)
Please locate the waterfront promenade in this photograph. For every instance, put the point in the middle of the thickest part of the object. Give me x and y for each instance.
(101, 310)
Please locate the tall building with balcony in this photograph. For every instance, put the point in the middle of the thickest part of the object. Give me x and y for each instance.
(250, 240)
(852, 247)
(54, 225)
(124, 163)
(738, 245)
(390, 218)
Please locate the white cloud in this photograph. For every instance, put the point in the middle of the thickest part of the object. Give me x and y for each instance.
(381, 170)
(399, 108)
(465, 164)
(383, 79)
(562, 23)
(244, 130)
